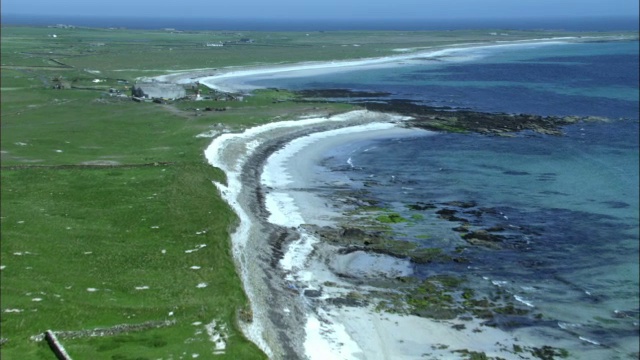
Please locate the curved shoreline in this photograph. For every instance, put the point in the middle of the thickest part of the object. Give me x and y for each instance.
(286, 271)
(279, 317)
(220, 79)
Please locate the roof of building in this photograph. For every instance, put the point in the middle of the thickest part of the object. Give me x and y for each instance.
(161, 90)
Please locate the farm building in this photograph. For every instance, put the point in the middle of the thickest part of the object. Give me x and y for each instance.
(158, 90)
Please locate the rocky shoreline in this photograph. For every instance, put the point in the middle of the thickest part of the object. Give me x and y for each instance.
(366, 231)
(387, 290)
(449, 119)
(440, 297)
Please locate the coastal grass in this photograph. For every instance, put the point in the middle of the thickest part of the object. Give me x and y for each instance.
(109, 218)
(86, 249)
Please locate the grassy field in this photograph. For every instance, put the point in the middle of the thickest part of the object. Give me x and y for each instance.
(109, 216)
(143, 240)
(86, 246)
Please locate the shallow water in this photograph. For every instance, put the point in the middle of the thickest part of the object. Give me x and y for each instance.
(573, 250)
(569, 204)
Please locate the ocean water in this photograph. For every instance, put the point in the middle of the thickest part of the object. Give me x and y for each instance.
(599, 79)
(568, 204)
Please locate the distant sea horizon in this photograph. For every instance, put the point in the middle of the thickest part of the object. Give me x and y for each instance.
(189, 24)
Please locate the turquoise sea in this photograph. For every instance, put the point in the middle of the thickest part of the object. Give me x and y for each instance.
(567, 205)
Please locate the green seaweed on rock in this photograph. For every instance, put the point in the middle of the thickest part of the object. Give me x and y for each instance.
(391, 218)
(549, 353)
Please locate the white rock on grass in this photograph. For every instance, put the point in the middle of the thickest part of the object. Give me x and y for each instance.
(198, 247)
(201, 285)
(208, 134)
(92, 289)
(195, 267)
(20, 253)
(218, 336)
(144, 287)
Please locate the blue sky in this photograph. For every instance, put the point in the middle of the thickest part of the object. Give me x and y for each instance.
(326, 9)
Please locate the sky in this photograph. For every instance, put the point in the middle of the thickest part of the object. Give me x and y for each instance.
(325, 9)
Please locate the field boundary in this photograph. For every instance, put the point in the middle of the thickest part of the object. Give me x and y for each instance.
(85, 166)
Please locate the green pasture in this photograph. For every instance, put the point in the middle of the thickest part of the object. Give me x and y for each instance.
(66, 232)
(108, 214)
(128, 230)
(67, 229)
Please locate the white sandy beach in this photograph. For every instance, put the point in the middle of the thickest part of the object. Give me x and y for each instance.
(230, 153)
